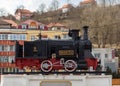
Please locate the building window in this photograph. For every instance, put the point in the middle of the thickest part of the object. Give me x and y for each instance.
(57, 37)
(17, 36)
(6, 48)
(1, 48)
(12, 36)
(11, 59)
(33, 38)
(5, 69)
(0, 37)
(22, 37)
(65, 10)
(54, 28)
(5, 59)
(24, 26)
(1, 58)
(12, 48)
(9, 36)
(97, 55)
(4, 36)
(65, 36)
(106, 55)
(41, 27)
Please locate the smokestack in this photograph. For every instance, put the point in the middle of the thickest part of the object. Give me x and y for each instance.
(85, 35)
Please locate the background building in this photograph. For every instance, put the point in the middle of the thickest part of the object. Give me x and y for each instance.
(32, 24)
(8, 39)
(107, 58)
(4, 24)
(22, 14)
(87, 3)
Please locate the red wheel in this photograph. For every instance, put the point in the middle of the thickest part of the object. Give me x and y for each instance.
(70, 66)
(46, 66)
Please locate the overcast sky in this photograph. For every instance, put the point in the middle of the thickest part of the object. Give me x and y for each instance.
(11, 5)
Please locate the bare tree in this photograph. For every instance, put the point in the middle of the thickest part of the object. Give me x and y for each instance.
(21, 7)
(54, 5)
(41, 8)
(3, 12)
(108, 2)
(103, 23)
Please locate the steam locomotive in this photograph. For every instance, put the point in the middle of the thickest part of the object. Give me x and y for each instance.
(48, 55)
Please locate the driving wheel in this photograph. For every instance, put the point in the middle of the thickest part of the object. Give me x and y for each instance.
(46, 66)
(70, 65)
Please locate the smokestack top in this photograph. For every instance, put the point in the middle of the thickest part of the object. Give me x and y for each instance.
(85, 26)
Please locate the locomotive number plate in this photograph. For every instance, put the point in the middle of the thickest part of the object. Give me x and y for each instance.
(66, 52)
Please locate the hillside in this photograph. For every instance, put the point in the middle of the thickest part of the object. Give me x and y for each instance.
(103, 21)
(70, 18)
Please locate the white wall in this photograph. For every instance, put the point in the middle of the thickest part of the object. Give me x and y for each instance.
(65, 80)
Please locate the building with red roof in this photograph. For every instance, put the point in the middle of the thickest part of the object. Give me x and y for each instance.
(4, 24)
(88, 3)
(13, 24)
(32, 24)
(23, 14)
(56, 26)
(65, 8)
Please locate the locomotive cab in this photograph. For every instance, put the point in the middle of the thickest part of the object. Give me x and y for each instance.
(74, 34)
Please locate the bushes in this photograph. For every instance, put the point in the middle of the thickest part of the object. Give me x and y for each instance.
(116, 75)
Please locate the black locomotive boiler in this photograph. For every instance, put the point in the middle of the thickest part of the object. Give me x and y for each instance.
(48, 54)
